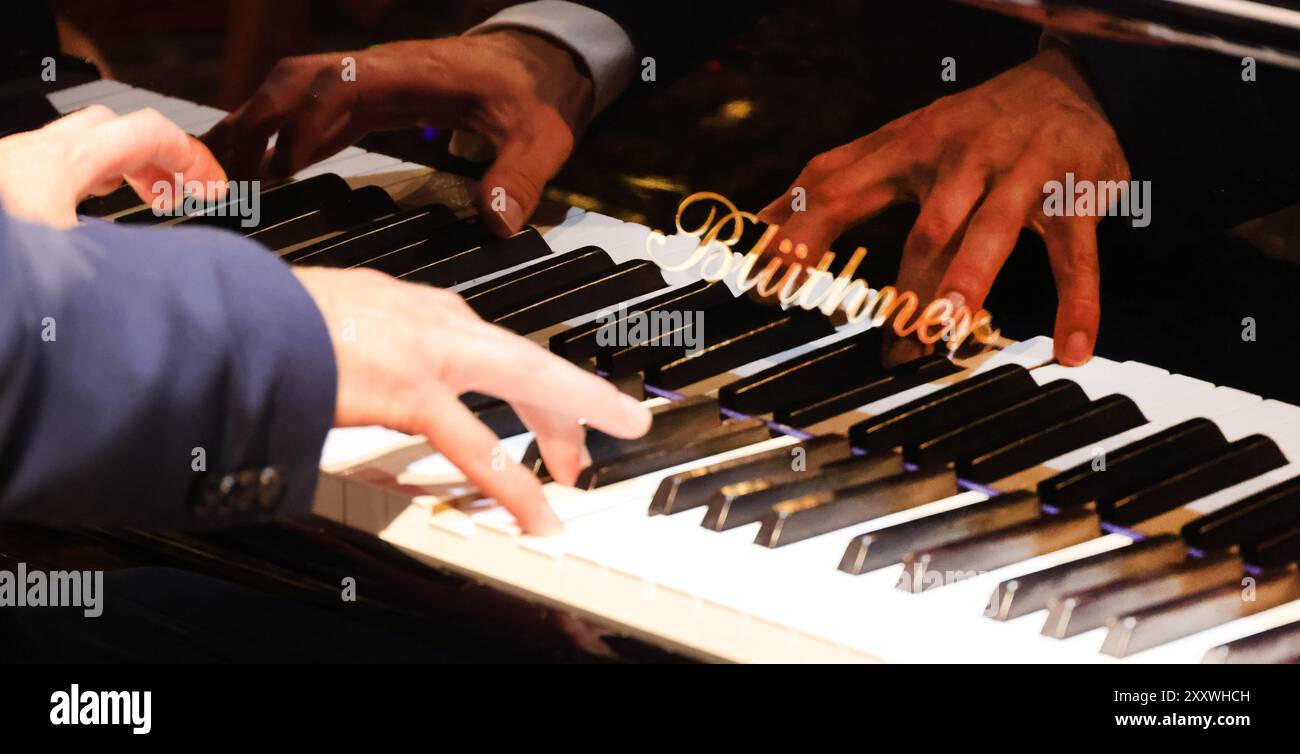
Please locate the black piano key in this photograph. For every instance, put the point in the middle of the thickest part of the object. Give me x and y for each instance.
(945, 408)
(931, 568)
(1143, 629)
(452, 268)
(1033, 591)
(630, 279)
(794, 329)
(728, 436)
(500, 417)
(474, 401)
(1021, 416)
(631, 384)
(1134, 465)
(890, 382)
(1274, 550)
(675, 420)
(555, 272)
(370, 203)
(459, 239)
(372, 239)
(1253, 517)
(1280, 644)
(693, 488)
(1076, 612)
(883, 547)
(667, 311)
(1241, 460)
(831, 368)
(363, 205)
(720, 323)
(1098, 420)
(748, 501)
(120, 199)
(276, 205)
(797, 520)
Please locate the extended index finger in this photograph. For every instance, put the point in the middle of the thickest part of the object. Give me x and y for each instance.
(142, 147)
(521, 372)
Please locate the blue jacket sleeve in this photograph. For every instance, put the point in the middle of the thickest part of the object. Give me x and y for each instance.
(156, 378)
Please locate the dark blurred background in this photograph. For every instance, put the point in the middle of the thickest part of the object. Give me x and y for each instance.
(806, 77)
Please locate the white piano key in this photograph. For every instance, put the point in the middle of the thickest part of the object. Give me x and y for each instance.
(355, 165)
(571, 504)
(437, 469)
(399, 168)
(350, 446)
(199, 120)
(624, 241)
(1096, 370)
(1192, 648)
(130, 100)
(1031, 354)
(1242, 490)
(947, 624)
(77, 97)
(1257, 418)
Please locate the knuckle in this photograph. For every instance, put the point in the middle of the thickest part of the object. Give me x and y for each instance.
(99, 111)
(820, 166)
(286, 68)
(935, 227)
(449, 299)
(151, 119)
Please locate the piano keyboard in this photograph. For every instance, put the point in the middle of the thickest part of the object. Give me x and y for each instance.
(796, 501)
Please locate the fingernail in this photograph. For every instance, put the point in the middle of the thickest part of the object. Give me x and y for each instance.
(513, 216)
(1078, 349)
(958, 300)
(638, 416)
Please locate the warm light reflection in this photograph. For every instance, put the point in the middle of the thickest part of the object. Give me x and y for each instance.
(574, 199)
(738, 110)
(655, 183)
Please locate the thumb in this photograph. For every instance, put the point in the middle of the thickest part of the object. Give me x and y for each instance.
(512, 188)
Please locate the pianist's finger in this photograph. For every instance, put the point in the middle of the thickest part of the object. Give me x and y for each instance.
(991, 233)
(561, 440)
(519, 371)
(521, 92)
(979, 164)
(405, 353)
(45, 173)
(146, 149)
(1073, 254)
(454, 430)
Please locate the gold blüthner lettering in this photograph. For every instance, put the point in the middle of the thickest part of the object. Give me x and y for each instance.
(813, 287)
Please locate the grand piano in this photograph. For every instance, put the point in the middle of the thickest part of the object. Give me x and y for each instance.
(796, 499)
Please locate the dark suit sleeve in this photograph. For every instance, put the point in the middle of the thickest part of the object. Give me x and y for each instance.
(156, 378)
(1218, 150)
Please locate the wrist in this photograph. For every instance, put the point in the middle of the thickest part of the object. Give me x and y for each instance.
(557, 74)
